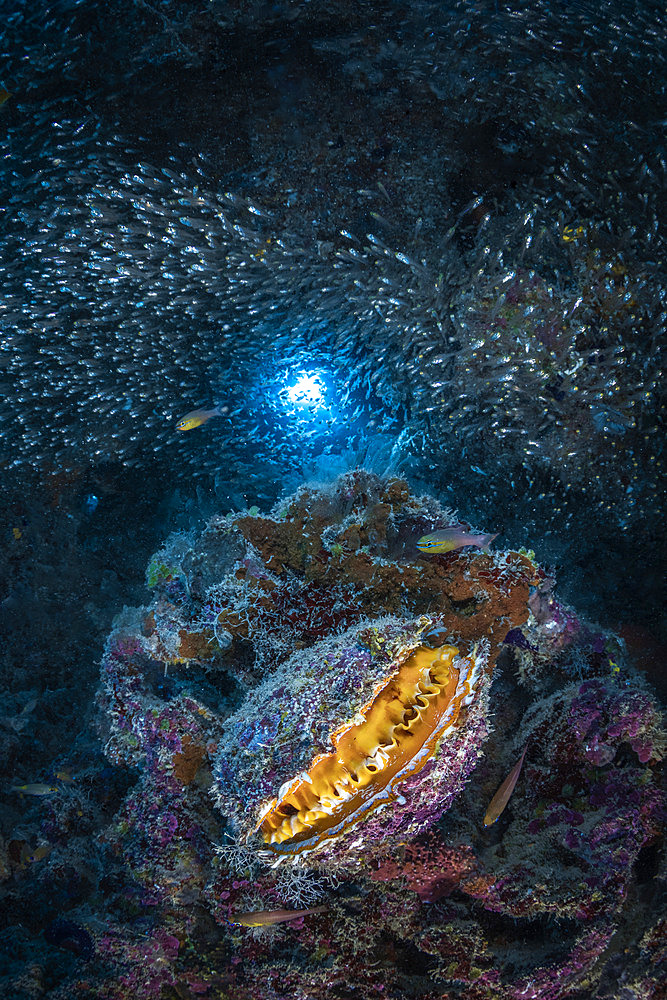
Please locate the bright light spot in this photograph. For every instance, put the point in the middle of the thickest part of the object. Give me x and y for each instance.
(308, 389)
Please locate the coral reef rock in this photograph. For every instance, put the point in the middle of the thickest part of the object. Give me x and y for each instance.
(314, 712)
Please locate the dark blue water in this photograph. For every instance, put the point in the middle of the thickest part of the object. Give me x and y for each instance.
(424, 239)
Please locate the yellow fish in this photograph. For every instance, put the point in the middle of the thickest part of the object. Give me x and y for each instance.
(264, 918)
(502, 796)
(454, 537)
(28, 856)
(37, 788)
(196, 418)
(572, 233)
(4, 94)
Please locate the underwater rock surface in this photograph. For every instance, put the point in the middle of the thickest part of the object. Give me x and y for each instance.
(266, 697)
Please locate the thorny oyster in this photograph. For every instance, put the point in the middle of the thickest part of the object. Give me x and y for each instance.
(353, 742)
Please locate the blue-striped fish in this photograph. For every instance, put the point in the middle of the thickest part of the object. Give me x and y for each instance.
(196, 418)
(264, 918)
(36, 788)
(454, 537)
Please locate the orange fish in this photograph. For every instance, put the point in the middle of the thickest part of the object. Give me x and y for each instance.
(196, 418)
(502, 796)
(264, 918)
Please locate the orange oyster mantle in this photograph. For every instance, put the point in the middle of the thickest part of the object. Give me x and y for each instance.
(388, 741)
